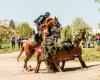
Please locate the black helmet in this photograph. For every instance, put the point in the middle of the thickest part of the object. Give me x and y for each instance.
(47, 13)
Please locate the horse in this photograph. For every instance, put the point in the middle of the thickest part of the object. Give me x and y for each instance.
(76, 52)
(29, 47)
(65, 55)
(46, 32)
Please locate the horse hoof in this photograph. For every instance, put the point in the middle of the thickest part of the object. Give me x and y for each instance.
(36, 72)
(51, 71)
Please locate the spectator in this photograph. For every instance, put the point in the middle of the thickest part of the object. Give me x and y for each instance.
(18, 42)
(13, 42)
(89, 42)
(98, 40)
(21, 41)
(0, 43)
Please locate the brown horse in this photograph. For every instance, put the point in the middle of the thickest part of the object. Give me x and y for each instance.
(29, 47)
(76, 52)
(46, 33)
(65, 55)
(46, 27)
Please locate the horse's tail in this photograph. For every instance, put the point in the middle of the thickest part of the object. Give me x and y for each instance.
(22, 49)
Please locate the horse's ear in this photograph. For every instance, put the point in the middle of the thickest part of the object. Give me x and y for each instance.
(80, 30)
(55, 17)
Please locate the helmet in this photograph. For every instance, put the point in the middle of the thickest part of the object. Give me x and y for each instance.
(47, 13)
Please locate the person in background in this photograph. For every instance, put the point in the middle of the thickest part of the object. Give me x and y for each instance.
(18, 42)
(98, 40)
(21, 41)
(89, 42)
(13, 42)
(0, 42)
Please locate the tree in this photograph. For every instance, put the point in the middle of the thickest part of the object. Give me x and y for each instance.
(24, 29)
(65, 32)
(5, 32)
(78, 24)
(12, 24)
(98, 1)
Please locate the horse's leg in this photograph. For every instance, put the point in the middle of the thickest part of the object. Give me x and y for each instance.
(81, 61)
(57, 66)
(25, 60)
(29, 55)
(22, 49)
(47, 65)
(38, 65)
(50, 66)
(62, 65)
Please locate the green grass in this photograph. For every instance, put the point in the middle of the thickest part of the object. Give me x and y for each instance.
(6, 48)
(91, 54)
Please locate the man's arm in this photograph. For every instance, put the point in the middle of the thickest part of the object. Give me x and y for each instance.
(36, 20)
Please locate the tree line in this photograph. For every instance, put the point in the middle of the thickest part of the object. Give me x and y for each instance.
(24, 29)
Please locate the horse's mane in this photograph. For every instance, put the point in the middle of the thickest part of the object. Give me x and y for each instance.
(48, 19)
(80, 36)
(53, 22)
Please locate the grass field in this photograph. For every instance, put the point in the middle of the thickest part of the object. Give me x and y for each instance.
(91, 54)
(6, 48)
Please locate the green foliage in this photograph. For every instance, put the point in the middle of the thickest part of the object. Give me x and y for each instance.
(6, 47)
(12, 24)
(97, 1)
(24, 29)
(78, 24)
(91, 54)
(5, 31)
(65, 32)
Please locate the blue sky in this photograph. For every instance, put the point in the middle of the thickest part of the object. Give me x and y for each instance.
(65, 10)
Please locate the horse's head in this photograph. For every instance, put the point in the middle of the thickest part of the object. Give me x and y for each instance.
(56, 22)
(80, 36)
(46, 27)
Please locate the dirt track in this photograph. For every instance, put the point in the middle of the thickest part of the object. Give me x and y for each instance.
(10, 69)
